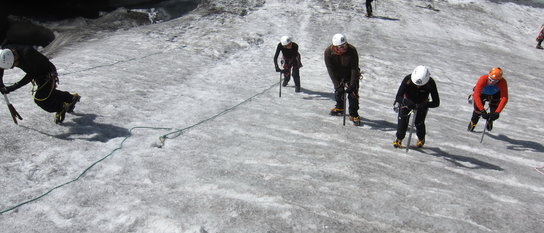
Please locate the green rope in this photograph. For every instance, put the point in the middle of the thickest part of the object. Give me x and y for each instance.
(179, 132)
(162, 139)
(83, 173)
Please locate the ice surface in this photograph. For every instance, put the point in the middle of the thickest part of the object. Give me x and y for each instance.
(239, 159)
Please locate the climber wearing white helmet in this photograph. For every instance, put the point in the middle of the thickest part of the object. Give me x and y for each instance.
(413, 94)
(290, 60)
(342, 61)
(42, 73)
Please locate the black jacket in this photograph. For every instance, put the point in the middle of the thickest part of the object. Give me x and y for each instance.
(36, 66)
(288, 54)
(343, 68)
(418, 94)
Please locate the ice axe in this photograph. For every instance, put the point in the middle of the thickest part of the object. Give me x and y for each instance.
(345, 99)
(345, 95)
(483, 132)
(14, 113)
(281, 73)
(412, 126)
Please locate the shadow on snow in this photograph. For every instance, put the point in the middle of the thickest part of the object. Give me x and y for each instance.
(459, 160)
(316, 94)
(519, 145)
(379, 124)
(83, 127)
(429, 7)
(385, 18)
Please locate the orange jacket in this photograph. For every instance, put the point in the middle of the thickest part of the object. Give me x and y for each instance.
(502, 85)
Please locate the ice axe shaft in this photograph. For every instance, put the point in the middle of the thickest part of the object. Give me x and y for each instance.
(280, 83)
(12, 111)
(483, 132)
(412, 126)
(345, 95)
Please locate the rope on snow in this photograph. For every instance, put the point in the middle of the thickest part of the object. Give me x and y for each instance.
(162, 139)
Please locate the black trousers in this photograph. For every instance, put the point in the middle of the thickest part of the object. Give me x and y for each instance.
(403, 122)
(369, 6)
(49, 98)
(353, 100)
(493, 104)
(293, 65)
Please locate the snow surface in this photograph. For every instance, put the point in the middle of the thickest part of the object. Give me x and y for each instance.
(237, 158)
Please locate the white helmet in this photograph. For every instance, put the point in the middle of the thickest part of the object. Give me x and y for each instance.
(420, 75)
(285, 40)
(6, 59)
(339, 39)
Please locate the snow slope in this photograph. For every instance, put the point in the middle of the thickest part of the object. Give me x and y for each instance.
(237, 158)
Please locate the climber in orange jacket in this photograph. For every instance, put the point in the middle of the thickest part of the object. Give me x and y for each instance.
(491, 88)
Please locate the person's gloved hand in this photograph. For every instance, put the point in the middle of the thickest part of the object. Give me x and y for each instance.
(5, 90)
(279, 70)
(485, 115)
(493, 116)
(408, 103)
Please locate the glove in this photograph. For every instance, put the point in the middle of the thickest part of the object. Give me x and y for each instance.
(493, 116)
(350, 89)
(408, 103)
(279, 70)
(485, 115)
(6, 90)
